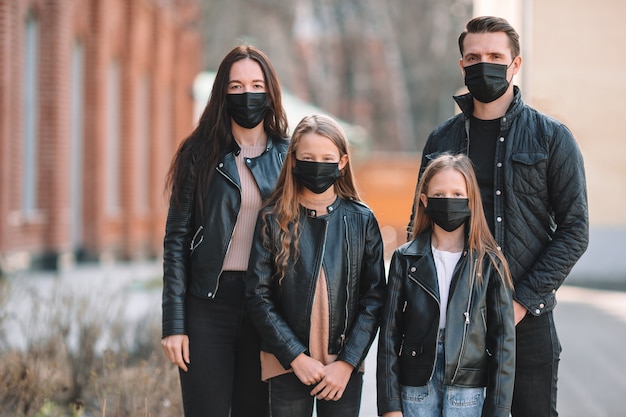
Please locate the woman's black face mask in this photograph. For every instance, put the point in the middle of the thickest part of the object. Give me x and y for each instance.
(247, 109)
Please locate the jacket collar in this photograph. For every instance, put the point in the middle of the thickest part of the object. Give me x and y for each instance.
(466, 104)
(420, 246)
(330, 209)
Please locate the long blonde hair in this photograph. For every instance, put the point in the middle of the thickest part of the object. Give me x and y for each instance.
(480, 241)
(285, 200)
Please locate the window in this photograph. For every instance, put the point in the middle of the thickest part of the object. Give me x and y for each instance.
(142, 159)
(76, 145)
(113, 139)
(30, 115)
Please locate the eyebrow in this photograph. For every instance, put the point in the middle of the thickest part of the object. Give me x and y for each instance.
(241, 82)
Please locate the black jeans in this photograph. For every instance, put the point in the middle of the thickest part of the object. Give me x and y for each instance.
(225, 370)
(291, 398)
(537, 364)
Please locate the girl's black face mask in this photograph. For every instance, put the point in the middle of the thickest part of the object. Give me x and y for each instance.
(486, 81)
(247, 109)
(316, 176)
(448, 213)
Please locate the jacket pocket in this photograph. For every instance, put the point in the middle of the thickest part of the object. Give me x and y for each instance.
(529, 158)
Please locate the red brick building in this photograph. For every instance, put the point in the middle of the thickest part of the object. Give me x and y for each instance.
(95, 95)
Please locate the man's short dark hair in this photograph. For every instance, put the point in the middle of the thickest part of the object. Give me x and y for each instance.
(491, 24)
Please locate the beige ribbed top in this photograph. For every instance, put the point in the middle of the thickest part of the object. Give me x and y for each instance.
(239, 251)
(320, 318)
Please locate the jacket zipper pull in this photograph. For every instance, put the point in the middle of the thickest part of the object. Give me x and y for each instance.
(343, 339)
(466, 314)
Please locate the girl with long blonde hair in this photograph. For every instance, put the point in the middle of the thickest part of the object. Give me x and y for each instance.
(316, 283)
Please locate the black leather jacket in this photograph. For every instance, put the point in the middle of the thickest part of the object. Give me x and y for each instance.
(348, 244)
(479, 334)
(540, 196)
(197, 236)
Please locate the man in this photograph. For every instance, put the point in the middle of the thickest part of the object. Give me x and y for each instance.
(532, 182)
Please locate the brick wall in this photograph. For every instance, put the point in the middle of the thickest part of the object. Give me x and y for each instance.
(158, 50)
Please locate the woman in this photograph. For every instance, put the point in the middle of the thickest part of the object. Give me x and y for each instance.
(316, 281)
(447, 340)
(218, 179)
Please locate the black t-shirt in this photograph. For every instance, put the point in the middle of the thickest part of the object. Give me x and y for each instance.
(482, 152)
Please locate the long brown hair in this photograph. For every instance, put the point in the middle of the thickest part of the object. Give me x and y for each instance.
(480, 241)
(198, 154)
(285, 200)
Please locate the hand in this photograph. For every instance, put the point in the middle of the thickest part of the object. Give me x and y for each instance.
(334, 383)
(519, 311)
(308, 370)
(176, 348)
(393, 414)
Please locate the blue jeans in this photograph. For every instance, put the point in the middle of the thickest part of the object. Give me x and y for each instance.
(224, 376)
(536, 367)
(436, 399)
(291, 398)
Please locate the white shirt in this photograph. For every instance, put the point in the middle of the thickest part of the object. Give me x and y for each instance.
(445, 263)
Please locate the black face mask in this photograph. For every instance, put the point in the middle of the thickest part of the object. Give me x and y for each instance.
(316, 176)
(247, 109)
(487, 82)
(448, 213)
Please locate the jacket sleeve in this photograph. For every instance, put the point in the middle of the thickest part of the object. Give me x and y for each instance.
(390, 341)
(568, 199)
(371, 293)
(277, 336)
(501, 345)
(178, 230)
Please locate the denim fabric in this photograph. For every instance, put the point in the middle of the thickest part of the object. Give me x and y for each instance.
(225, 370)
(291, 398)
(437, 399)
(537, 364)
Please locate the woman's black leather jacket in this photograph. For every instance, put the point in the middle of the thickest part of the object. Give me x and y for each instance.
(197, 236)
(479, 333)
(348, 245)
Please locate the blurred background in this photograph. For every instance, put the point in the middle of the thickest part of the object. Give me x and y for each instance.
(95, 97)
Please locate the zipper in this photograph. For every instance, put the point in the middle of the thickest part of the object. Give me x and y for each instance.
(432, 372)
(320, 267)
(193, 245)
(402, 343)
(347, 311)
(467, 321)
(217, 281)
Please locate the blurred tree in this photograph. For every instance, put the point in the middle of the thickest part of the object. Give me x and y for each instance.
(387, 65)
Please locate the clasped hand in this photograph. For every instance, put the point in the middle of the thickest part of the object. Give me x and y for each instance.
(330, 380)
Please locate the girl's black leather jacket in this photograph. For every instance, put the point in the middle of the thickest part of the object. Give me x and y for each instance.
(197, 236)
(479, 333)
(348, 244)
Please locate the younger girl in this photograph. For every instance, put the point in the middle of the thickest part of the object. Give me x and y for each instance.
(315, 286)
(450, 276)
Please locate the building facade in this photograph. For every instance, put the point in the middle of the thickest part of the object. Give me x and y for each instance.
(95, 96)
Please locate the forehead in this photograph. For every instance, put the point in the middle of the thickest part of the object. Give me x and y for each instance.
(246, 69)
(316, 144)
(447, 179)
(486, 43)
